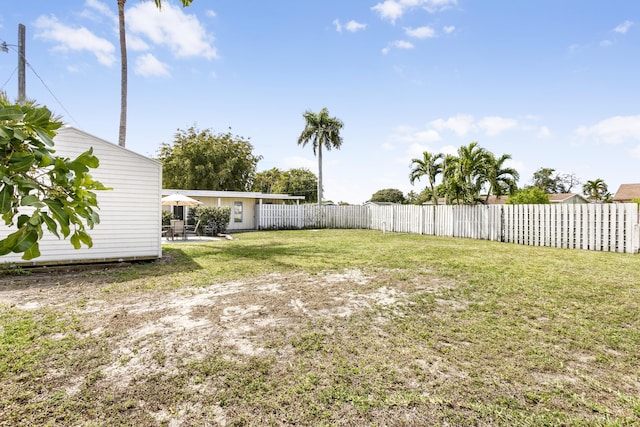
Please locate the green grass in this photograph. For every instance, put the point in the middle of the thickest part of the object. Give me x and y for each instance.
(488, 334)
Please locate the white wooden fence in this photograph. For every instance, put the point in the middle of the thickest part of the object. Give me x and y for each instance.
(602, 227)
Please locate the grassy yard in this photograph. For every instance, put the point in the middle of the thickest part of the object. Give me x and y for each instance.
(327, 327)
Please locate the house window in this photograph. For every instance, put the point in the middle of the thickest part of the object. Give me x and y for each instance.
(237, 211)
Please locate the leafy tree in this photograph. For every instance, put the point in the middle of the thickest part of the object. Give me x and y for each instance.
(202, 160)
(529, 196)
(388, 195)
(39, 188)
(321, 130)
(596, 191)
(265, 181)
(298, 182)
(430, 166)
(554, 183)
(123, 69)
(545, 180)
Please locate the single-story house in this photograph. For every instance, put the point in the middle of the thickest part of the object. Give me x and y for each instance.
(243, 204)
(568, 199)
(130, 213)
(626, 193)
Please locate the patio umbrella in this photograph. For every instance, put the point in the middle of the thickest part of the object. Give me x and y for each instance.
(178, 199)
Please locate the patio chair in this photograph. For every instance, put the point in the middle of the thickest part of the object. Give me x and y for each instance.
(178, 228)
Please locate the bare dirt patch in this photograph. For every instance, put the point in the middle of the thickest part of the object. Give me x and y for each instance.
(156, 331)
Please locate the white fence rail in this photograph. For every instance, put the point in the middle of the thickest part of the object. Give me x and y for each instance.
(605, 227)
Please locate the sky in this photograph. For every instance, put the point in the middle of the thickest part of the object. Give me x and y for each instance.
(555, 84)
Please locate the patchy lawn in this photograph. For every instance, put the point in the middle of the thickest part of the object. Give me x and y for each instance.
(327, 327)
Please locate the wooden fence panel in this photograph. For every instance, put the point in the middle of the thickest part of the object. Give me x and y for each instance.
(606, 227)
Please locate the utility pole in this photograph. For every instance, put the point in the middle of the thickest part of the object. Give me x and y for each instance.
(22, 91)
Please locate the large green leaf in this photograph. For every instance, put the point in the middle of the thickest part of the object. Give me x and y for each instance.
(85, 238)
(75, 240)
(6, 196)
(11, 113)
(59, 214)
(21, 161)
(32, 252)
(31, 200)
(52, 226)
(25, 239)
(6, 133)
(87, 158)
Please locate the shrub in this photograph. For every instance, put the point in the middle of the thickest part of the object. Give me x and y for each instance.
(167, 216)
(530, 195)
(217, 216)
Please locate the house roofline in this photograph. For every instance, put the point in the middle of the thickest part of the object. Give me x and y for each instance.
(231, 194)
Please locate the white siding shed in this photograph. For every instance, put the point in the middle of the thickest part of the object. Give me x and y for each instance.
(130, 213)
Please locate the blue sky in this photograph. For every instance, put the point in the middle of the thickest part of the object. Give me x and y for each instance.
(553, 83)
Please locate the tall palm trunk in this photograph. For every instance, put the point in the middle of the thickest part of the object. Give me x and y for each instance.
(319, 174)
(123, 80)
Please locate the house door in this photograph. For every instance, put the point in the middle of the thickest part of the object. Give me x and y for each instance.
(178, 212)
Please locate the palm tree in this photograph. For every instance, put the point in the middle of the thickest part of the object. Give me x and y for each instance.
(321, 130)
(502, 180)
(430, 167)
(472, 164)
(122, 134)
(453, 185)
(596, 190)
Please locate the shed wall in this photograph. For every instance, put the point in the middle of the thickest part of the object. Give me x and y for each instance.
(130, 220)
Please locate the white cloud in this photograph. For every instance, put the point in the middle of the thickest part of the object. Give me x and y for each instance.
(460, 124)
(387, 146)
(420, 32)
(495, 125)
(211, 13)
(449, 29)
(80, 39)
(606, 43)
(415, 152)
(394, 9)
(543, 132)
(614, 130)
(148, 66)
(353, 26)
(101, 8)
(171, 27)
(624, 27)
(389, 9)
(398, 44)
(433, 6)
(402, 44)
(416, 136)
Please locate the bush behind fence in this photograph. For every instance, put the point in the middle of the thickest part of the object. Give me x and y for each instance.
(598, 227)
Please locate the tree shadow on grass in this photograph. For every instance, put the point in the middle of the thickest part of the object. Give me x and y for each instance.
(272, 256)
(173, 261)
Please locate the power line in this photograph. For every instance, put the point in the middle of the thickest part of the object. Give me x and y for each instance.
(9, 79)
(5, 47)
